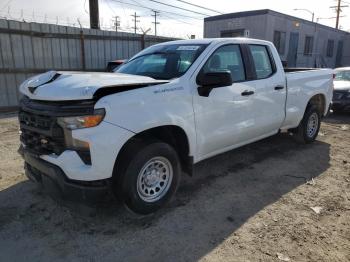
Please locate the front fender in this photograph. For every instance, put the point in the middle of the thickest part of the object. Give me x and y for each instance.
(146, 108)
(105, 142)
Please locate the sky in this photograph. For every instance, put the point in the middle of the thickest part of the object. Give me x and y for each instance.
(173, 22)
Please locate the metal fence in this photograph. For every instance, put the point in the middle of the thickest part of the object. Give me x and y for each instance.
(27, 49)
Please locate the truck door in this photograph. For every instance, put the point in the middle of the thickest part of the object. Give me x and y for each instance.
(270, 91)
(225, 117)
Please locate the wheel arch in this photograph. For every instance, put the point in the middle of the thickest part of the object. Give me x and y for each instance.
(319, 101)
(171, 134)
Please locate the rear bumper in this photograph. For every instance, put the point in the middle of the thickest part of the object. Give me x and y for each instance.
(54, 181)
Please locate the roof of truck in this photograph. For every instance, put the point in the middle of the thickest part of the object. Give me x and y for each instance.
(342, 68)
(216, 40)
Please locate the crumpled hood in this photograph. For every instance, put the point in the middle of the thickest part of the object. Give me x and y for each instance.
(341, 85)
(60, 86)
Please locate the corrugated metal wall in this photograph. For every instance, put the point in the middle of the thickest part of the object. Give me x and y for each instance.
(27, 49)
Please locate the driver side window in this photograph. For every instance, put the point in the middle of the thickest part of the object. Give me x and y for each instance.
(229, 58)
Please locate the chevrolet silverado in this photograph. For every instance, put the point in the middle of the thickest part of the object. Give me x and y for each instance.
(133, 132)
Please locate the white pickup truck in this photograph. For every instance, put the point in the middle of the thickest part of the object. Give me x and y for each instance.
(135, 131)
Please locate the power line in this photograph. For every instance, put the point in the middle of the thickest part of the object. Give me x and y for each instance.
(26, 16)
(205, 8)
(86, 11)
(166, 14)
(153, 9)
(109, 6)
(175, 19)
(177, 7)
(8, 2)
(171, 13)
(181, 21)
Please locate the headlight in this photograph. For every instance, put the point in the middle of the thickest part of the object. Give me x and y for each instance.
(77, 122)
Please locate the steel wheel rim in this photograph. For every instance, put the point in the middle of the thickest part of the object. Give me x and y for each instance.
(312, 125)
(154, 179)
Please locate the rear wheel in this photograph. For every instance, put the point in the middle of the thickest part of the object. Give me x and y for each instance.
(309, 126)
(150, 177)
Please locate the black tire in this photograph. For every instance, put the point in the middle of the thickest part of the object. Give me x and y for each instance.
(139, 154)
(304, 135)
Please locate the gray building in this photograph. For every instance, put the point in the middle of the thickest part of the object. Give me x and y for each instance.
(300, 43)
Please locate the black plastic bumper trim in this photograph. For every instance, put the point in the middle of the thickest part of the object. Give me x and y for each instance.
(55, 182)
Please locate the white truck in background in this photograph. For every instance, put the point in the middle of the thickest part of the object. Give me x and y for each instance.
(134, 131)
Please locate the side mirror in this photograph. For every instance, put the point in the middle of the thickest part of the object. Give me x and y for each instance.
(207, 81)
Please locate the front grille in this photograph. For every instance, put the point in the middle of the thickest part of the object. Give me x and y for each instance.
(41, 134)
(41, 144)
(35, 121)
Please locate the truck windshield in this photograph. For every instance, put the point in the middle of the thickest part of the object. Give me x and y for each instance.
(342, 76)
(163, 62)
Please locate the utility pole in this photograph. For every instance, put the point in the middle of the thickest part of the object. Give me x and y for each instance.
(135, 21)
(94, 15)
(116, 23)
(338, 10)
(155, 21)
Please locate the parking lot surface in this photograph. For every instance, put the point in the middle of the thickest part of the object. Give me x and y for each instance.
(273, 200)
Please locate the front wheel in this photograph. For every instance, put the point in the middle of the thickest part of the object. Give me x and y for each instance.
(151, 177)
(309, 126)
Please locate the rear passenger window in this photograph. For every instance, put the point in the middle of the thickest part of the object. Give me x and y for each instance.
(262, 62)
(227, 57)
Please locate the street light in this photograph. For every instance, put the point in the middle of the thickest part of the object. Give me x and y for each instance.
(306, 10)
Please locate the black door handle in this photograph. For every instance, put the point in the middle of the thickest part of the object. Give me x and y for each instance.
(279, 87)
(247, 93)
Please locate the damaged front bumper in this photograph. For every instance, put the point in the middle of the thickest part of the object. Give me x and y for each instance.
(62, 167)
(54, 181)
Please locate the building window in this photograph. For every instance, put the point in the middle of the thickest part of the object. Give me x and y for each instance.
(279, 40)
(232, 33)
(330, 48)
(309, 44)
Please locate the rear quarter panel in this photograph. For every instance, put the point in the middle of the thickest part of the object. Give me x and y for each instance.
(302, 86)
